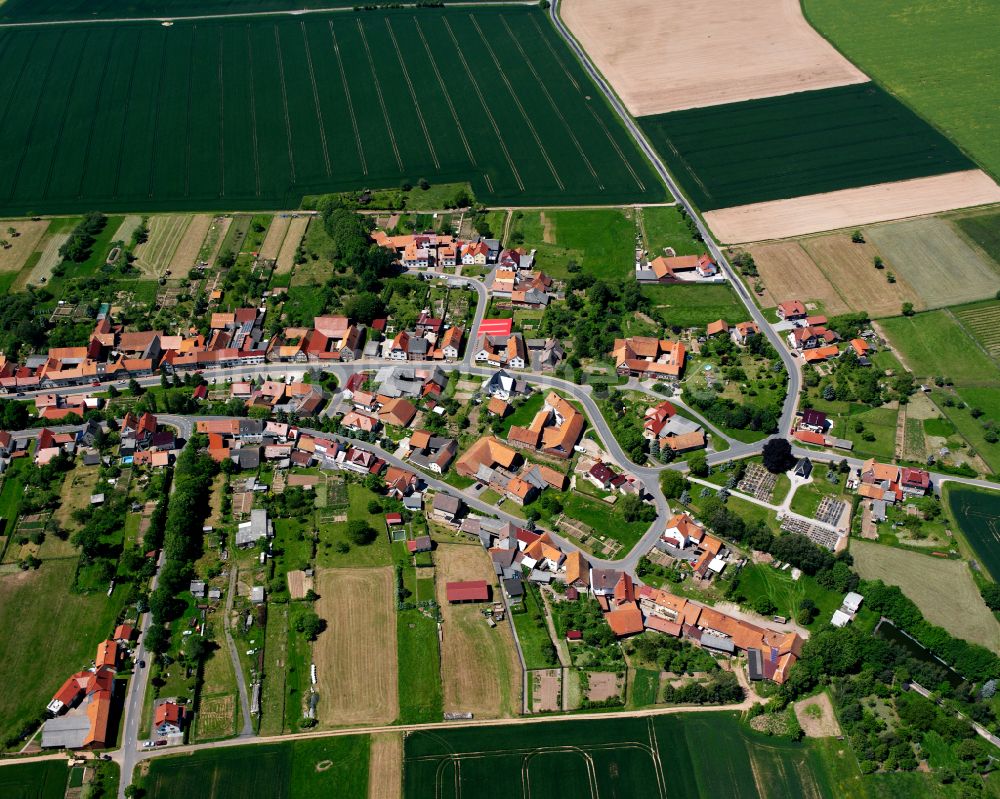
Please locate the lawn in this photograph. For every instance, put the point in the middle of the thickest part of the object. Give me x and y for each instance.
(45, 780)
(645, 686)
(600, 241)
(692, 305)
(787, 594)
(807, 497)
(330, 535)
(906, 46)
(310, 769)
(533, 633)
(523, 413)
(37, 607)
(839, 138)
(258, 113)
(616, 757)
(418, 652)
(943, 589)
(879, 422)
(665, 226)
(605, 520)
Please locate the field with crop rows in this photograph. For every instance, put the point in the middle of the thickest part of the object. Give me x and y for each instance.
(655, 757)
(983, 321)
(258, 112)
(977, 513)
(45, 780)
(300, 769)
(798, 144)
(50, 10)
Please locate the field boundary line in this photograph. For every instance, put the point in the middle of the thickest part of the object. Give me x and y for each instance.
(350, 102)
(222, 125)
(378, 91)
(444, 91)
(552, 102)
(836, 289)
(517, 102)
(62, 123)
(34, 114)
(93, 120)
(128, 103)
(284, 102)
(555, 55)
(253, 111)
(156, 120)
(413, 94)
(482, 100)
(969, 334)
(315, 91)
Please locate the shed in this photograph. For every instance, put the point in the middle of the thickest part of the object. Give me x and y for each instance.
(852, 601)
(574, 635)
(513, 587)
(257, 594)
(393, 519)
(468, 591)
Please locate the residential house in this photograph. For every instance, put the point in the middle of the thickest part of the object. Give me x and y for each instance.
(451, 343)
(642, 356)
(501, 350)
(914, 482)
(431, 452)
(791, 310)
(397, 412)
(399, 483)
(812, 420)
(168, 719)
(446, 508)
(741, 332)
(682, 531)
(555, 430)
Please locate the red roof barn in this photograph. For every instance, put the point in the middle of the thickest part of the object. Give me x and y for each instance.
(470, 591)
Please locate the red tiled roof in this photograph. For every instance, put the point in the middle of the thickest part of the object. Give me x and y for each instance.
(471, 591)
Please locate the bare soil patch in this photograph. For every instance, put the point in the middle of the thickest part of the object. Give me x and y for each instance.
(884, 202)
(940, 265)
(125, 229)
(275, 236)
(692, 53)
(29, 233)
(356, 656)
(603, 685)
(545, 693)
(788, 273)
(286, 256)
(186, 254)
(299, 584)
(816, 716)
(548, 229)
(479, 667)
(850, 267)
(942, 589)
(385, 769)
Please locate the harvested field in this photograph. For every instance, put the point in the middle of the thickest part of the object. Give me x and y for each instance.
(884, 202)
(942, 589)
(385, 769)
(186, 254)
(49, 260)
(153, 256)
(546, 690)
(29, 233)
(213, 241)
(933, 258)
(653, 52)
(356, 656)
(850, 267)
(816, 716)
(126, 228)
(299, 584)
(286, 256)
(787, 272)
(479, 667)
(275, 236)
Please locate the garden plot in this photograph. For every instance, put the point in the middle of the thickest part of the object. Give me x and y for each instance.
(186, 255)
(153, 256)
(275, 236)
(21, 243)
(286, 255)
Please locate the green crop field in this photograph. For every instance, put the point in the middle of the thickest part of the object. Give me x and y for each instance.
(984, 230)
(52, 10)
(908, 47)
(798, 144)
(46, 780)
(670, 755)
(310, 769)
(258, 112)
(982, 320)
(977, 513)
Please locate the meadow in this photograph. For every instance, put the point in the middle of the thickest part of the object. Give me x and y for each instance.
(310, 769)
(46, 780)
(977, 514)
(259, 112)
(982, 320)
(670, 755)
(37, 607)
(933, 343)
(984, 230)
(798, 144)
(693, 305)
(907, 46)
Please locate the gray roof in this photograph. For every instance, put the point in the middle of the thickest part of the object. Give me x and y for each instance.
(717, 642)
(604, 579)
(258, 527)
(446, 503)
(677, 425)
(513, 587)
(538, 576)
(66, 732)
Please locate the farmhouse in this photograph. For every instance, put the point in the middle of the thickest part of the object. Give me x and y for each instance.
(791, 310)
(259, 527)
(446, 508)
(502, 350)
(642, 356)
(83, 705)
(670, 269)
(431, 452)
(555, 430)
(487, 452)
